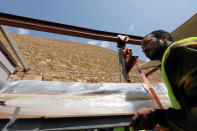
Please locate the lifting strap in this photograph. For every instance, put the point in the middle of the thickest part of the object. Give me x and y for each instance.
(149, 86)
(157, 127)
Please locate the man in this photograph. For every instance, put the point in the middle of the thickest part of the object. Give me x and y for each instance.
(179, 71)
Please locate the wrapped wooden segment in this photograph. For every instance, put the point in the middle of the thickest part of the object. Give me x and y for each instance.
(68, 99)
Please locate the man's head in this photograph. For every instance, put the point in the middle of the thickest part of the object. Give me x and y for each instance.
(155, 44)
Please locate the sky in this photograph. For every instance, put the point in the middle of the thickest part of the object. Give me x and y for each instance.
(133, 17)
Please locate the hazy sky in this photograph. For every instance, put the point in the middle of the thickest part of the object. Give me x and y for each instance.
(135, 17)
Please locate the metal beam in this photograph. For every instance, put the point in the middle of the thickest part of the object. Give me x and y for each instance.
(12, 43)
(7, 54)
(52, 27)
(70, 123)
(152, 71)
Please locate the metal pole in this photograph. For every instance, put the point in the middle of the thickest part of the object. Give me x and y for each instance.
(12, 43)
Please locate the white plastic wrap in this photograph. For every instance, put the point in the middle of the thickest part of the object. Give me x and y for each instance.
(64, 99)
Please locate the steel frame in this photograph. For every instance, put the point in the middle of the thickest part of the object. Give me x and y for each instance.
(152, 71)
(52, 27)
(66, 123)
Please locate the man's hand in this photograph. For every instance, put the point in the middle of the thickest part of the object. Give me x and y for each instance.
(122, 40)
(144, 119)
(130, 62)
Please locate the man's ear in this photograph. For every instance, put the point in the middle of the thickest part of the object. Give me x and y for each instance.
(165, 37)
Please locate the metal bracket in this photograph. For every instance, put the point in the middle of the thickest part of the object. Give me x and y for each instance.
(15, 113)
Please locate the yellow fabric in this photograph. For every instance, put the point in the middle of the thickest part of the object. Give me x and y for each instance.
(173, 100)
(121, 129)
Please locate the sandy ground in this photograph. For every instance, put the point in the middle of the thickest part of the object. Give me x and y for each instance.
(58, 60)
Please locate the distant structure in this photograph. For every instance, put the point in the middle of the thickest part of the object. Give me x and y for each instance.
(187, 29)
(8, 64)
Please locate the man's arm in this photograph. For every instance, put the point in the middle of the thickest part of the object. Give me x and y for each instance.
(148, 118)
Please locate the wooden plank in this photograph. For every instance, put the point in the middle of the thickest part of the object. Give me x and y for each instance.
(7, 109)
(62, 105)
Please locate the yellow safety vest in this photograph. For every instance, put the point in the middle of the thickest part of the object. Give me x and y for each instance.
(173, 100)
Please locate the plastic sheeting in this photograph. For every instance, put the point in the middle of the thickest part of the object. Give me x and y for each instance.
(66, 99)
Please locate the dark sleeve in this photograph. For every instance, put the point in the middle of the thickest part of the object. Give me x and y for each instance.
(171, 118)
(181, 70)
(160, 117)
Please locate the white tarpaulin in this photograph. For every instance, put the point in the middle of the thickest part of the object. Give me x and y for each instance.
(52, 99)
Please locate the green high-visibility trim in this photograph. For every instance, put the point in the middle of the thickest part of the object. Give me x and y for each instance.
(173, 100)
(121, 129)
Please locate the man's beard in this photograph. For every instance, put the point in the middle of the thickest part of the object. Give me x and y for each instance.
(158, 53)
